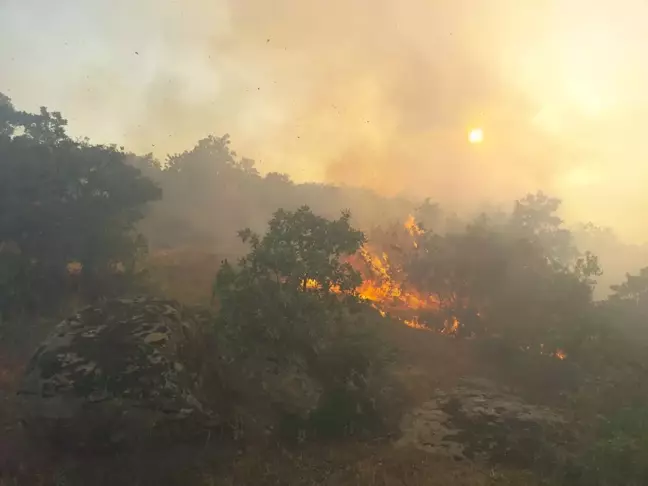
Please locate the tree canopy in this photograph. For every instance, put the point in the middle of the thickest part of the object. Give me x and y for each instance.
(300, 252)
(64, 202)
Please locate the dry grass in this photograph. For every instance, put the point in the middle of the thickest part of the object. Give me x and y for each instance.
(184, 274)
(342, 465)
(366, 465)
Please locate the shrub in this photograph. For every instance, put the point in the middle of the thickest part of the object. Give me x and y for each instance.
(289, 310)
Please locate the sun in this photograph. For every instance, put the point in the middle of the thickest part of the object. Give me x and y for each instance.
(476, 135)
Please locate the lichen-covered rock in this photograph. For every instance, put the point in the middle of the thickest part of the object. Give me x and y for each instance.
(115, 373)
(478, 421)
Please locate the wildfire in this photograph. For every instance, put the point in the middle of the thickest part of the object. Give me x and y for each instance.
(451, 326)
(412, 227)
(383, 287)
(415, 324)
(560, 354)
(312, 284)
(380, 288)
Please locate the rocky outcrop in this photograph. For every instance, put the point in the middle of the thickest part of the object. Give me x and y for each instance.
(478, 421)
(117, 372)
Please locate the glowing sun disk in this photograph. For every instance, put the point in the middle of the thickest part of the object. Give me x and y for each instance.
(476, 135)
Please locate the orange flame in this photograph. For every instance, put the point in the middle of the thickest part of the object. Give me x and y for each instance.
(385, 291)
(380, 288)
(312, 284)
(560, 354)
(414, 229)
(412, 226)
(415, 324)
(451, 326)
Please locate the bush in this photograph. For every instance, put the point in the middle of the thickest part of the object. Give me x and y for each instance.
(295, 330)
(618, 455)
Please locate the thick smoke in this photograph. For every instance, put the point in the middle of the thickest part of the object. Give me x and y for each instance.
(364, 92)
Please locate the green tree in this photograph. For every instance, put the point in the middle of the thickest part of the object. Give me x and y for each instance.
(302, 252)
(64, 202)
(634, 291)
(195, 181)
(43, 127)
(627, 307)
(292, 298)
(430, 215)
(535, 218)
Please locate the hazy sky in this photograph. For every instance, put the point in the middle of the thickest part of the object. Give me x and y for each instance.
(372, 92)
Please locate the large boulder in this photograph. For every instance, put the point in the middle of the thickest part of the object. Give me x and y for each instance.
(118, 372)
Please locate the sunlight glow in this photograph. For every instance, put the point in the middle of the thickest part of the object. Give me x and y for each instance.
(476, 135)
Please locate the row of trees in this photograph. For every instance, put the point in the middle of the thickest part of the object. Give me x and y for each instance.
(212, 175)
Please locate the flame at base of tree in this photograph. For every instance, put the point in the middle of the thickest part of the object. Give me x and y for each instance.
(391, 295)
(380, 287)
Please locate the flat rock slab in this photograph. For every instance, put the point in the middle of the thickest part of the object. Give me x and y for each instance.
(478, 421)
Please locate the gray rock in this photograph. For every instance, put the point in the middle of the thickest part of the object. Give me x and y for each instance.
(478, 421)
